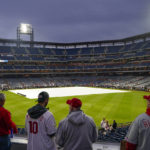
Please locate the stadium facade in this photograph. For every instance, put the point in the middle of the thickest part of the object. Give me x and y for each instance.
(123, 63)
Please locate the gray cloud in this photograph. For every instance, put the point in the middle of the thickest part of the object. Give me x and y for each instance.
(76, 20)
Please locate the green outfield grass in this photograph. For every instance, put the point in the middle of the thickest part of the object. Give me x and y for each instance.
(122, 107)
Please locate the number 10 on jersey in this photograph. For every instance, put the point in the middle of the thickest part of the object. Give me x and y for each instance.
(33, 127)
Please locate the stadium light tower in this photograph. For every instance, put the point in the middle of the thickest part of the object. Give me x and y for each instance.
(25, 29)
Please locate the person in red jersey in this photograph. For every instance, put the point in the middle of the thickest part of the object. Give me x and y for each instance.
(139, 132)
(6, 125)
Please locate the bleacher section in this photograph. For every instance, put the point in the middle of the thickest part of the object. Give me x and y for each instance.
(116, 136)
(107, 59)
(130, 57)
(119, 82)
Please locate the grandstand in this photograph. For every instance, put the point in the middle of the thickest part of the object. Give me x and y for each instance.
(122, 63)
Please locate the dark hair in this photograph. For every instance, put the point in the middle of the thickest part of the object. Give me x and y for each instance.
(43, 96)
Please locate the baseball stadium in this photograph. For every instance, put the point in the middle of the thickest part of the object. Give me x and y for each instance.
(110, 77)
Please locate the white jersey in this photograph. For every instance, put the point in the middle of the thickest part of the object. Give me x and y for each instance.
(39, 131)
(103, 124)
(139, 132)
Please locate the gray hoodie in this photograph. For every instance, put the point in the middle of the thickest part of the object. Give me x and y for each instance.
(76, 132)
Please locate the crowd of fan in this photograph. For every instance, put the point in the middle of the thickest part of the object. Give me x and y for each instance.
(111, 132)
(119, 82)
(106, 127)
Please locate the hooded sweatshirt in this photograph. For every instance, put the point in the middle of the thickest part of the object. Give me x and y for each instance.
(36, 111)
(76, 132)
(40, 126)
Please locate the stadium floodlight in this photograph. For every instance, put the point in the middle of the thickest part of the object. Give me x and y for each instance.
(25, 28)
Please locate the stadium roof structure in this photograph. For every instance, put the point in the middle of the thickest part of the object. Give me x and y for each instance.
(124, 41)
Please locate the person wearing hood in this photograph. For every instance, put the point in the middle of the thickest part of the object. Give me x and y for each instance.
(77, 131)
(40, 125)
(138, 135)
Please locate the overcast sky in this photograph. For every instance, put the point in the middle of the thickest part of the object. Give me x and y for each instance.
(76, 20)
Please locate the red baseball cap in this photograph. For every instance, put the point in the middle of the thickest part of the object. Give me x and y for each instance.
(74, 102)
(147, 97)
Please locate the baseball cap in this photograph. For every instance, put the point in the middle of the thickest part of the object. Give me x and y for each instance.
(147, 97)
(74, 102)
(43, 96)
